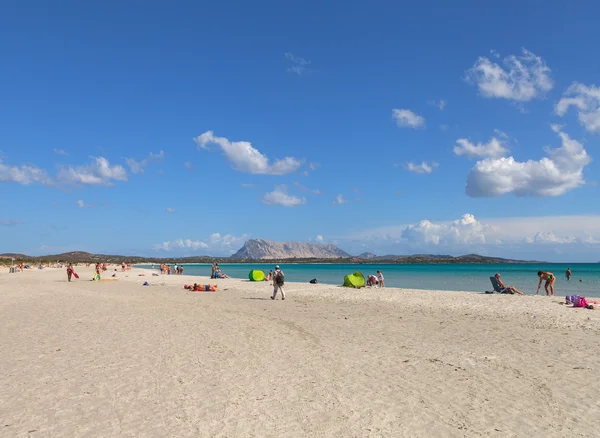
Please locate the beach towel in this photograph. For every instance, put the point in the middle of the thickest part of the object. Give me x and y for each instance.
(75, 274)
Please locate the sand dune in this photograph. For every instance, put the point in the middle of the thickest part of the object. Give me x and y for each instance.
(119, 359)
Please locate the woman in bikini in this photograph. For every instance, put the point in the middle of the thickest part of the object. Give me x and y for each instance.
(550, 279)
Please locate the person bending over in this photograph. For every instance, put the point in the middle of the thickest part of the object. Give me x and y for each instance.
(549, 286)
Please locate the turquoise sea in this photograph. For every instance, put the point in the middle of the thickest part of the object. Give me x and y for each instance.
(474, 278)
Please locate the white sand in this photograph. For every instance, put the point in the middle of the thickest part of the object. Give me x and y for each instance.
(118, 359)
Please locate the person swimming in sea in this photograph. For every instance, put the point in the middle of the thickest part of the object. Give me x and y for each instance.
(550, 280)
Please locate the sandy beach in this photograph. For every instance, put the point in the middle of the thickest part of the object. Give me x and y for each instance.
(115, 358)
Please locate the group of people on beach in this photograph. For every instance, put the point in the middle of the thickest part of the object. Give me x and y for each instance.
(166, 269)
(215, 271)
(376, 280)
(543, 276)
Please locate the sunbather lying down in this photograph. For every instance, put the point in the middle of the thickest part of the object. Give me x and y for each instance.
(202, 287)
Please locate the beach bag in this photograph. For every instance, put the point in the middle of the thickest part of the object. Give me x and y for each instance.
(580, 302)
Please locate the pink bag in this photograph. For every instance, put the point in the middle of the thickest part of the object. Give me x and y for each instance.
(580, 302)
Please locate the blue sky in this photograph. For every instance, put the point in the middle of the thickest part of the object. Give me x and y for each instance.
(176, 129)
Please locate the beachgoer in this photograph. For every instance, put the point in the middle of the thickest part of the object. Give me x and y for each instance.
(507, 289)
(180, 269)
(219, 274)
(372, 280)
(270, 276)
(278, 280)
(381, 283)
(549, 286)
(175, 269)
(203, 287)
(69, 271)
(212, 270)
(568, 274)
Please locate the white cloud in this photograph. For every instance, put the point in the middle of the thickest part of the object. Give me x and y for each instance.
(100, 172)
(405, 118)
(313, 166)
(319, 238)
(439, 104)
(245, 158)
(466, 230)
(339, 200)
(542, 237)
(522, 78)
(188, 165)
(139, 166)
(554, 175)
(24, 175)
(10, 223)
(298, 64)
(305, 189)
(586, 100)
(215, 244)
(59, 152)
(576, 237)
(422, 168)
(170, 210)
(494, 148)
(280, 196)
(82, 204)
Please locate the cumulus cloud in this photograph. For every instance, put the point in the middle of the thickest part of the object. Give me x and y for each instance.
(554, 175)
(170, 210)
(421, 168)
(215, 244)
(10, 223)
(24, 175)
(245, 158)
(298, 64)
(405, 118)
(319, 238)
(520, 78)
(99, 173)
(466, 230)
(59, 152)
(549, 237)
(82, 204)
(139, 166)
(494, 148)
(339, 200)
(280, 196)
(439, 104)
(586, 101)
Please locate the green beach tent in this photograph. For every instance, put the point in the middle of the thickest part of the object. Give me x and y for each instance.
(354, 280)
(256, 275)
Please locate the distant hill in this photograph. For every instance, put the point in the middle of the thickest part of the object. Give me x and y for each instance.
(366, 256)
(260, 249)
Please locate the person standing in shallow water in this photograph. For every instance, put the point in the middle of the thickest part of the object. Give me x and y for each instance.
(568, 274)
(380, 275)
(549, 286)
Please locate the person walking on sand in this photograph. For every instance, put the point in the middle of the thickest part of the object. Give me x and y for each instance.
(278, 280)
(70, 271)
(549, 286)
(568, 274)
(380, 275)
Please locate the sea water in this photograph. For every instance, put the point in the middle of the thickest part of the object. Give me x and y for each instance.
(455, 277)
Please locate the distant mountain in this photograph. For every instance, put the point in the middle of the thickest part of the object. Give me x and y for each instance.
(366, 256)
(260, 249)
